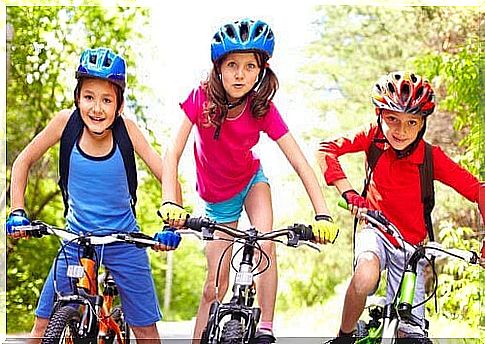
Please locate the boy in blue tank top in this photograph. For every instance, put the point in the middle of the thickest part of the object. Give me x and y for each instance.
(100, 193)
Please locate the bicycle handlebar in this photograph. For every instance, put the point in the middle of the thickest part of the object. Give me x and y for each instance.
(377, 217)
(294, 234)
(38, 229)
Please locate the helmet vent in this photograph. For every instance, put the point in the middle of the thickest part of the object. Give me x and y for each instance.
(391, 87)
(405, 92)
(259, 30)
(230, 31)
(419, 92)
(107, 62)
(244, 31)
(397, 76)
(92, 59)
(413, 78)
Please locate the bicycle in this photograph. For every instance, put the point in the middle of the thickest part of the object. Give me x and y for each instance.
(241, 318)
(383, 325)
(86, 315)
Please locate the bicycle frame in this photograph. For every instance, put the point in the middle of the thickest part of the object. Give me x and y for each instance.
(385, 320)
(243, 317)
(96, 308)
(97, 314)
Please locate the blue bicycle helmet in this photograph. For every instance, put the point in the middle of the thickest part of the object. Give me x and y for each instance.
(102, 63)
(242, 35)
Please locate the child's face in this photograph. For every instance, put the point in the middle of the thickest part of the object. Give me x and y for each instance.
(97, 104)
(401, 129)
(239, 74)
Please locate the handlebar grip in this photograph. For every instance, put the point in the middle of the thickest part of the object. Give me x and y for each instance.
(375, 214)
(197, 223)
(304, 232)
(342, 203)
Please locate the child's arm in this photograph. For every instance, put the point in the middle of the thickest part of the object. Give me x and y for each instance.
(172, 158)
(146, 152)
(324, 230)
(48, 137)
(327, 157)
(293, 153)
(171, 210)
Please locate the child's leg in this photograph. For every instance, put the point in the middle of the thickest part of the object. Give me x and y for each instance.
(146, 334)
(260, 213)
(362, 284)
(369, 262)
(131, 271)
(40, 324)
(213, 252)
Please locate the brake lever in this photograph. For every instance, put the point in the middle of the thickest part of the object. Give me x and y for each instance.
(309, 244)
(190, 231)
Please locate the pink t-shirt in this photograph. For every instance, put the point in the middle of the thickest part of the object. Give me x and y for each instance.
(226, 165)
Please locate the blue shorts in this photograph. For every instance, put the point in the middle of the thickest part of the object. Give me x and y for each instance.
(230, 210)
(131, 271)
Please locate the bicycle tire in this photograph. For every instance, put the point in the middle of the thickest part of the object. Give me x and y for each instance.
(232, 332)
(63, 327)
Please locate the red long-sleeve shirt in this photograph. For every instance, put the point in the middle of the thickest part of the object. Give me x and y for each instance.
(395, 184)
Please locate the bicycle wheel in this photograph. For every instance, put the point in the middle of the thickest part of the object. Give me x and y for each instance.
(119, 318)
(64, 327)
(232, 332)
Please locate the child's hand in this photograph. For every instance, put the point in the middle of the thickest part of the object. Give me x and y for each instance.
(356, 202)
(324, 230)
(173, 214)
(168, 239)
(16, 218)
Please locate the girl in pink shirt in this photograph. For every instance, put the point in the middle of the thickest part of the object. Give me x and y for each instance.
(229, 110)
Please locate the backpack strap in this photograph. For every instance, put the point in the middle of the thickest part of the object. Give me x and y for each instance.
(426, 175)
(70, 134)
(373, 156)
(121, 137)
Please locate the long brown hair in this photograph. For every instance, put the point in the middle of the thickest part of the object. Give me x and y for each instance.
(216, 108)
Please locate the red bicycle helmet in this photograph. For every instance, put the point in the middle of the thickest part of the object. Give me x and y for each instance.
(403, 92)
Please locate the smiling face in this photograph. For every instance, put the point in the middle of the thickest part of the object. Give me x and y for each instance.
(239, 74)
(401, 129)
(97, 104)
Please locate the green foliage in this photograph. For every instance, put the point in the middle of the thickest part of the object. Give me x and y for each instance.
(459, 85)
(459, 289)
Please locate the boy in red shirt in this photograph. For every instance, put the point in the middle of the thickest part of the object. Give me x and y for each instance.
(403, 101)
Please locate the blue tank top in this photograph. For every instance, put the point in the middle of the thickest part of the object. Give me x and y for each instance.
(99, 199)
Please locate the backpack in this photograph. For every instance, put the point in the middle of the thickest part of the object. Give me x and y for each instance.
(426, 175)
(72, 132)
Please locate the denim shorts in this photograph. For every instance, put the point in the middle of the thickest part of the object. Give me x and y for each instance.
(230, 210)
(391, 259)
(131, 271)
